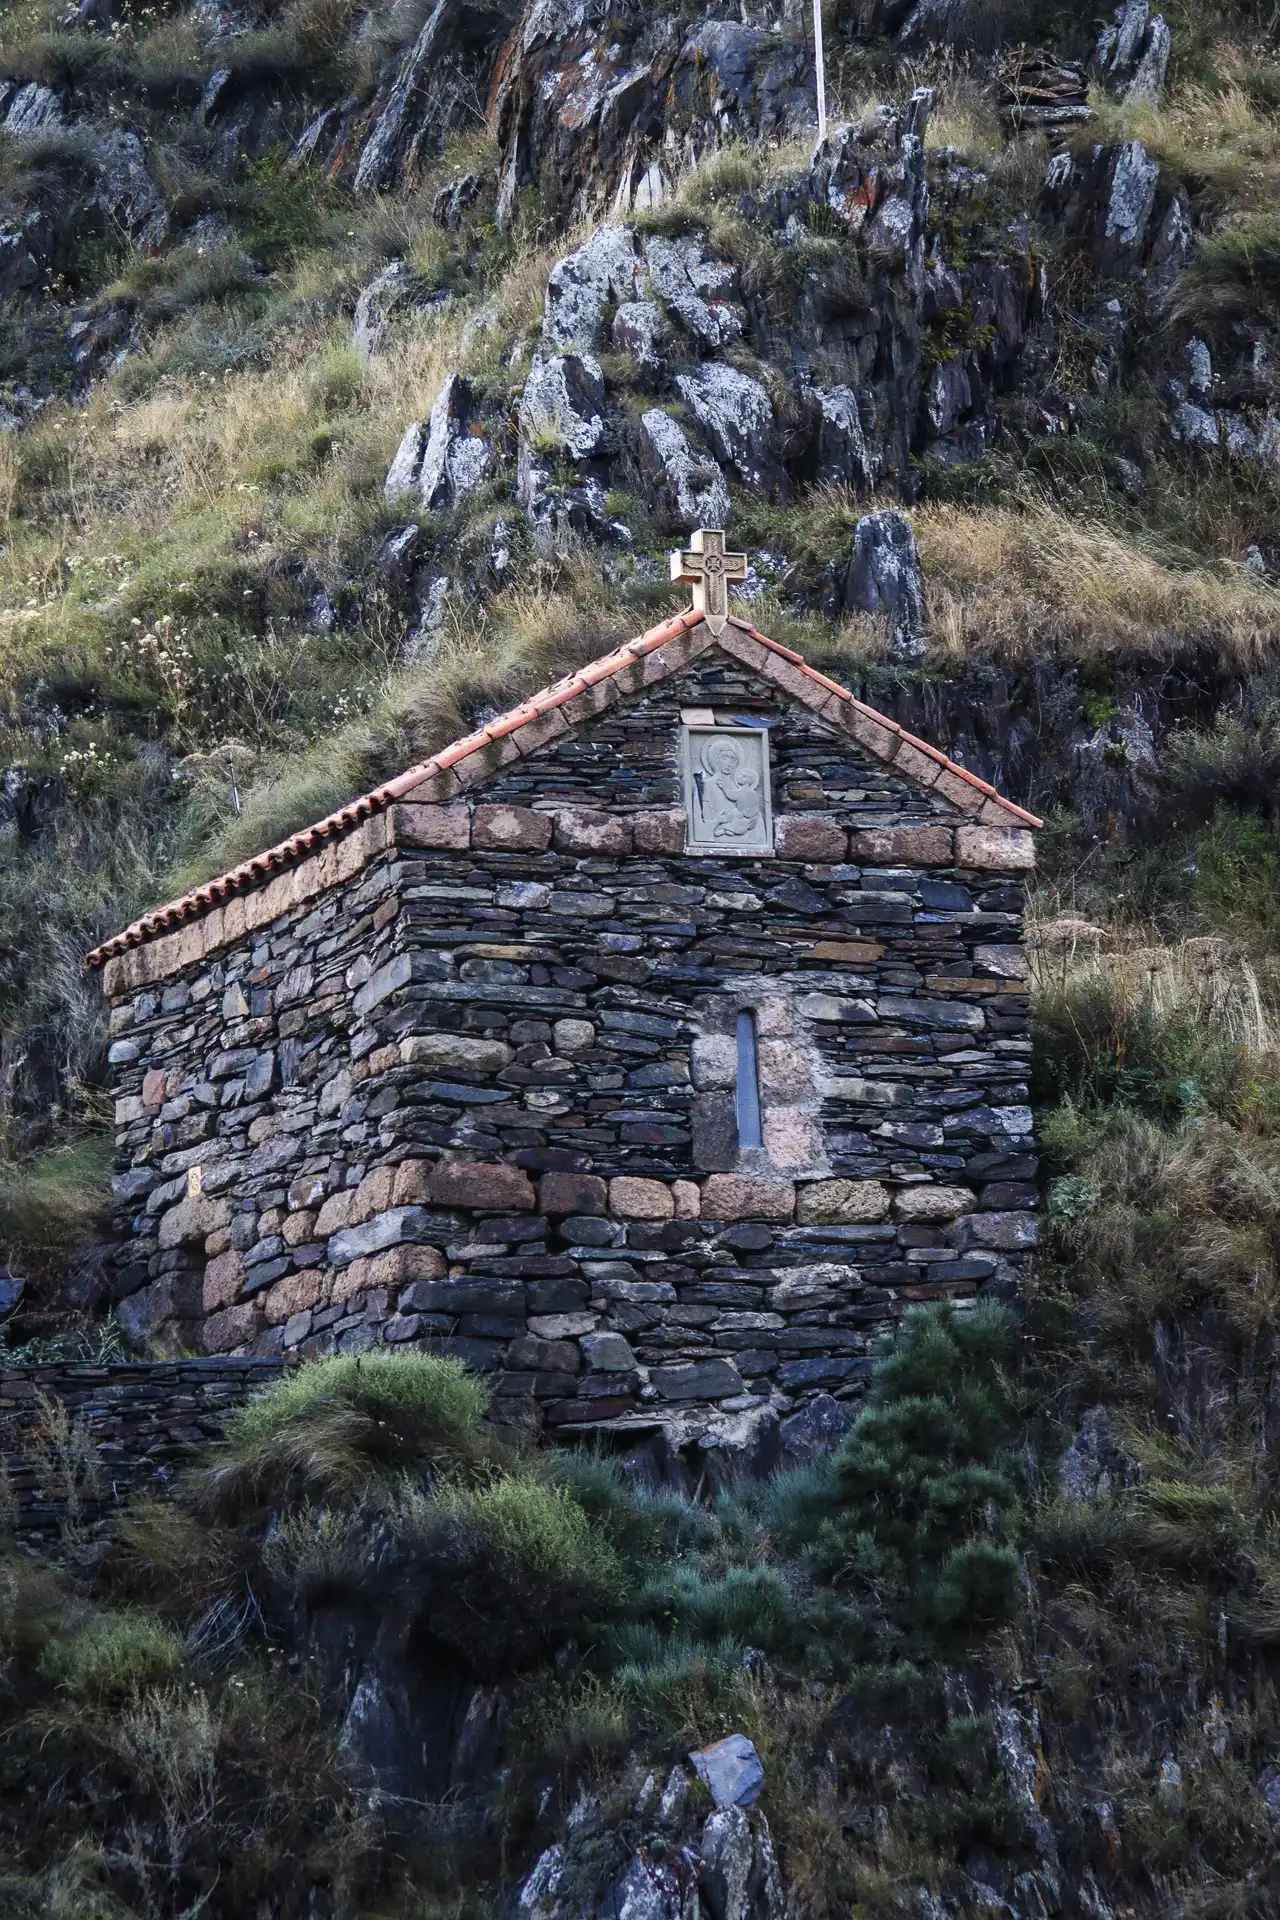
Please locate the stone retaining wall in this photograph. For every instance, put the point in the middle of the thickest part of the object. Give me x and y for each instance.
(141, 1420)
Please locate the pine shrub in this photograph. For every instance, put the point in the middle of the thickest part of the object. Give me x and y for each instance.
(917, 1510)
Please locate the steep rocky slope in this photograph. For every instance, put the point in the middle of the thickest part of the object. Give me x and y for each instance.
(357, 367)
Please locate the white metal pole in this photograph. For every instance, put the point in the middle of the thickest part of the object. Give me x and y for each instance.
(820, 66)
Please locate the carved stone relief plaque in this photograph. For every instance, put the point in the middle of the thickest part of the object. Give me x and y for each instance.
(726, 790)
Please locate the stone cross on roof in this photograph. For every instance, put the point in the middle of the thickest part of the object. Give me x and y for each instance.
(710, 568)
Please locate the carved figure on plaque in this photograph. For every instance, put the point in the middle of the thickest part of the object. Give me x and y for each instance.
(727, 790)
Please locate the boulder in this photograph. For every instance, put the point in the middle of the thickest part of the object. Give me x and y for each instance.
(405, 469)
(1132, 195)
(728, 1854)
(843, 459)
(538, 1897)
(562, 407)
(638, 332)
(947, 395)
(730, 1770)
(1132, 54)
(930, 21)
(19, 266)
(736, 414)
(885, 577)
(688, 284)
(646, 1890)
(1093, 1466)
(124, 191)
(754, 77)
(450, 206)
(434, 90)
(448, 458)
(586, 284)
(458, 457)
(674, 1801)
(376, 304)
(689, 487)
(33, 110)
(12, 1288)
(580, 114)
(318, 138)
(1171, 246)
(846, 175)
(1195, 426)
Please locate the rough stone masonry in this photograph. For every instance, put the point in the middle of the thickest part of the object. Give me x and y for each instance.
(648, 1050)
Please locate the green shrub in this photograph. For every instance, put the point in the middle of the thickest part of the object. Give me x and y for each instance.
(1095, 1043)
(540, 1530)
(744, 1606)
(642, 1524)
(506, 1569)
(1234, 763)
(918, 1508)
(55, 1202)
(113, 1657)
(674, 1687)
(1237, 874)
(420, 1391)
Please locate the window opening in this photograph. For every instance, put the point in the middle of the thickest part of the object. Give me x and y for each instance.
(748, 1098)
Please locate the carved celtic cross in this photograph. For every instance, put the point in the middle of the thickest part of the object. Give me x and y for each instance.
(710, 569)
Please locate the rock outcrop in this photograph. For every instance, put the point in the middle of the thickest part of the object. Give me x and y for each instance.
(884, 578)
(591, 126)
(440, 463)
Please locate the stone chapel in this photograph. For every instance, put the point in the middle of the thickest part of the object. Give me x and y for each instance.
(649, 1049)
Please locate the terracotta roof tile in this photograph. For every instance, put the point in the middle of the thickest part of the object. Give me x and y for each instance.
(241, 878)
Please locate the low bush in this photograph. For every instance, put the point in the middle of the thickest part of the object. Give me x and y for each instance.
(1233, 276)
(1234, 763)
(429, 1399)
(505, 1570)
(113, 1657)
(1169, 1030)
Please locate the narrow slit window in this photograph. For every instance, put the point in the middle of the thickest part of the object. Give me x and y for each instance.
(748, 1102)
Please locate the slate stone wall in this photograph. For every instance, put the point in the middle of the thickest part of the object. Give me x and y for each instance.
(141, 1419)
(480, 1095)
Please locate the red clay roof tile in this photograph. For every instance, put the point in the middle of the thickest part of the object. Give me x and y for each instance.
(240, 878)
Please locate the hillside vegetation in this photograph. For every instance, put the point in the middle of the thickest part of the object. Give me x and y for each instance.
(1012, 1648)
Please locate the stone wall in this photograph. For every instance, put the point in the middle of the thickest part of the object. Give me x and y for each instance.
(479, 1093)
(140, 1418)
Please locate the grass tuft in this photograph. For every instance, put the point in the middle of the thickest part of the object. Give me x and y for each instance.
(113, 1657)
(339, 1428)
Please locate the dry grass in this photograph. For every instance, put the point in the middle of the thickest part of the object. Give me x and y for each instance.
(1022, 583)
(492, 656)
(966, 121)
(1203, 980)
(1220, 139)
(53, 1204)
